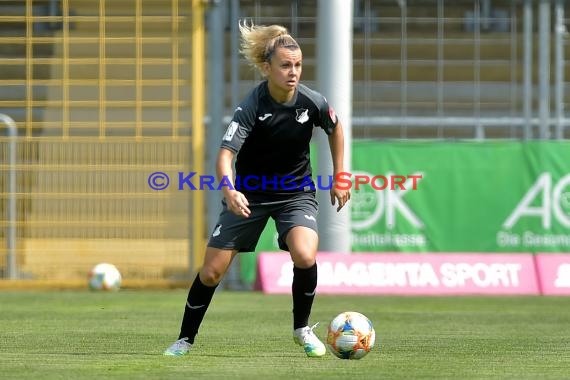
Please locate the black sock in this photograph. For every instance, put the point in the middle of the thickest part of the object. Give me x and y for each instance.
(303, 289)
(197, 303)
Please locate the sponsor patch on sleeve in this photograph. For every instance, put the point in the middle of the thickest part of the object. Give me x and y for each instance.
(332, 114)
(231, 131)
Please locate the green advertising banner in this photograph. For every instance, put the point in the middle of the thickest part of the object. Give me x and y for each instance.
(471, 197)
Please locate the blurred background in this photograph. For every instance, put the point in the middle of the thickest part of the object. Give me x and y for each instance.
(95, 95)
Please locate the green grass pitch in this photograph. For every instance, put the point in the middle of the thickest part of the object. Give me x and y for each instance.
(91, 335)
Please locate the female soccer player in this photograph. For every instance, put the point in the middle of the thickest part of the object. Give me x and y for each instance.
(270, 134)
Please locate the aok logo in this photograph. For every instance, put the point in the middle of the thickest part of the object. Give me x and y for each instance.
(369, 205)
(553, 201)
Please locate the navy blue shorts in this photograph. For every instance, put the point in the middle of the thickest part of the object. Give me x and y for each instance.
(235, 232)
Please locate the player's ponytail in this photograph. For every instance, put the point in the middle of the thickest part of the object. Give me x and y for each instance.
(259, 42)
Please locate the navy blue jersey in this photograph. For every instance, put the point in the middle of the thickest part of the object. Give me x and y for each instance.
(272, 140)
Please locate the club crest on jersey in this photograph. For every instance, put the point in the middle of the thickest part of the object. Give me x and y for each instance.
(302, 115)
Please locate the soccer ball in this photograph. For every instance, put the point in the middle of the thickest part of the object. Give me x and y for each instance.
(350, 335)
(105, 277)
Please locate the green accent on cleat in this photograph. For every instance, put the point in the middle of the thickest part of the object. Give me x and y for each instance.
(179, 348)
(305, 337)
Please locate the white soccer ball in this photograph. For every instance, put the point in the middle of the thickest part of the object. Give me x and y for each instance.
(105, 276)
(350, 335)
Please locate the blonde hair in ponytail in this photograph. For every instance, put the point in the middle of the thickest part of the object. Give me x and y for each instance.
(259, 42)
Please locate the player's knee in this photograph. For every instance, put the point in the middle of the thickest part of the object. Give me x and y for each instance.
(211, 276)
(303, 259)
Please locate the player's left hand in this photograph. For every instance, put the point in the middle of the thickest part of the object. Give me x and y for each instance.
(343, 196)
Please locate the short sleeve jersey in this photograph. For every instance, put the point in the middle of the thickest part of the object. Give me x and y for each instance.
(272, 139)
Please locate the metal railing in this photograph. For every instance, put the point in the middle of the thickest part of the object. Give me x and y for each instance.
(11, 267)
(422, 65)
(100, 93)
